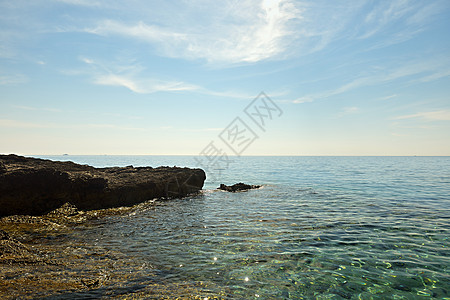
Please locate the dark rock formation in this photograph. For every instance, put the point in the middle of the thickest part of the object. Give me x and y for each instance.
(35, 186)
(237, 187)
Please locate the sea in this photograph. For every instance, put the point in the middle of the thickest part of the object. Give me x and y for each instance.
(317, 228)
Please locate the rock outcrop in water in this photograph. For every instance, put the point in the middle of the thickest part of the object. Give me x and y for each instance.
(237, 187)
(30, 186)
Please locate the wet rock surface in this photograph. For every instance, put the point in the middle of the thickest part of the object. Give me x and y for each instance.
(30, 186)
(45, 257)
(45, 208)
(14, 252)
(238, 187)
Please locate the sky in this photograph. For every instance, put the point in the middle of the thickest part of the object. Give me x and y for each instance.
(249, 77)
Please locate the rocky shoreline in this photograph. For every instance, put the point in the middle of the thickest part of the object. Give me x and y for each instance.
(44, 205)
(43, 201)
(30, 186)
(40, 256)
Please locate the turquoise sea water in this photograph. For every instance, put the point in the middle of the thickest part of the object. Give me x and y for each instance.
(319, 228)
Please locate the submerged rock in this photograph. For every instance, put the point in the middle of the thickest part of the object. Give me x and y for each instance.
(14, 252)
(30, 186)
(237, 187)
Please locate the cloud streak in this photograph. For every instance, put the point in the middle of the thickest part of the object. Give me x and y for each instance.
(129, 76)
(348, 111)
(12, 79)
(142, 86)
(88, 3)
(7, 123)
(439, 115)
(23, 107)
(248, 32)
(17, 124)
(413, 72)
(232, 32)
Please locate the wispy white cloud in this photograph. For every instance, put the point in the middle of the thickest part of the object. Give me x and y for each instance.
(426, 12)
(246, 31)
(407, 17)
(105, 126)
(7, 49)
(87, 60)
(384, 14)
(237, 94)
(439, 115)
(323, 23)
(411, 71)
(388, 97)
(89, 3)
(142, 86)
(348, 111)
(405, 127)
(203, 129)
(23, 107)
(436, 75)
(250, 31)
(304, 99)
(129, 76)
(117, 115)
(325, 94)
(9, 123)
(190, 130)
(422, 69)
(12, 79)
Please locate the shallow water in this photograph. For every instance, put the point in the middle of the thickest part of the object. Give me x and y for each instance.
(320, 227)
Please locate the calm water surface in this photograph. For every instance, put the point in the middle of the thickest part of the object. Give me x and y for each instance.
(319, 228)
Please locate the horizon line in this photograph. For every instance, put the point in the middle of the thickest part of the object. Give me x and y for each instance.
(251, 155)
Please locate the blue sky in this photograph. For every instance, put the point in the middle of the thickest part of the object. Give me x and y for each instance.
(168, 77)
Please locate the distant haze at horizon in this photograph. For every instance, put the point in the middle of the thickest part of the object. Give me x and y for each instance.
(366, 78)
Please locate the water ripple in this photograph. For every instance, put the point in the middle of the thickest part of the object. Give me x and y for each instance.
(323, 228)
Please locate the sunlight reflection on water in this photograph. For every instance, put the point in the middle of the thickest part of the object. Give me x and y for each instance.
(321, 227)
